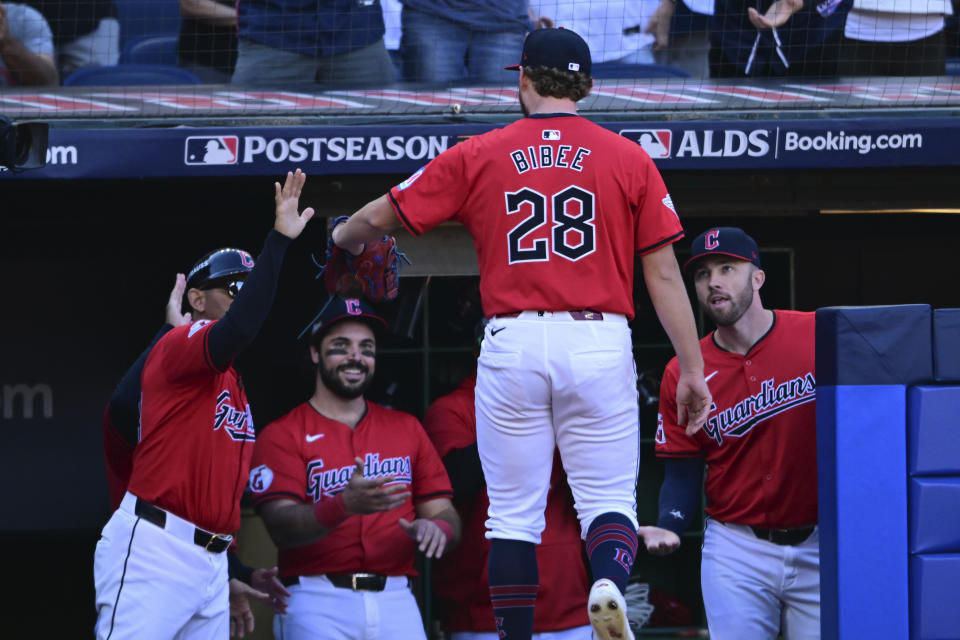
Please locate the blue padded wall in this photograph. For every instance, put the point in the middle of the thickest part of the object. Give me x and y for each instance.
(946, 345)
(934, 597)
(933, 430)
(866, 358)
(874, 345)
(863, 549)
(935, 516)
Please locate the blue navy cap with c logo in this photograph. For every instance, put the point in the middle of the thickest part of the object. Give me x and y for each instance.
(724, 241)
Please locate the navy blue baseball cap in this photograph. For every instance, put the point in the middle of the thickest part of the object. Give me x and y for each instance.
(338, 309)
(220, 264)
(559, 49)
(724, 241)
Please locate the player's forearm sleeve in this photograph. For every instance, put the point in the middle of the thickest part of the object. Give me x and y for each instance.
(125, 401)
(240, 325)
(466, 474)
(236, 568)
(680, 493)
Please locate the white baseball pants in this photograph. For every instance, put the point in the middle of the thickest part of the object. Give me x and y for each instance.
(317, 609)
(157, 584)
(756, 589)
(545, 380)
(576, 633)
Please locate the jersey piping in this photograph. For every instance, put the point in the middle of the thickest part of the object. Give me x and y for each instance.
(713, 337)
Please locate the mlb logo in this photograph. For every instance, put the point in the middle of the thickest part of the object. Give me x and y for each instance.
(211, 150)
(551, 134)
(656, 142)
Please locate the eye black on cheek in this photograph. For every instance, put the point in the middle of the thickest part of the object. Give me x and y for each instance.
(335, 351)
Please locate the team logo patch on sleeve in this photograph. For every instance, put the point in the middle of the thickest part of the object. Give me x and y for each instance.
(196, 326)
(661, 436)
(260, 478)
(409, 181)
(668, 203)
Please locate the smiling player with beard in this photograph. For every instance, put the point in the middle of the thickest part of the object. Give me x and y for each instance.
(760, 569)
(349, 491)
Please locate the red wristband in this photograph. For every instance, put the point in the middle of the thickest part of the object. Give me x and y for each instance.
(330, 513)
(445, 527)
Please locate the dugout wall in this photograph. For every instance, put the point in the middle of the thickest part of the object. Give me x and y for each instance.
(90, 245)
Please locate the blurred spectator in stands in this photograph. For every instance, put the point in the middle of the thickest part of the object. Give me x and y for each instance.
(26, 48)
(895, 38)
(393, 33)
(462, 40)
(86, 33)
(336, 43)
(789, 38)
(614, 30)
(208, 39)
(682, 37)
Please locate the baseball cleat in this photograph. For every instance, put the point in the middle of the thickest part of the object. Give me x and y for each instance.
(608, 612)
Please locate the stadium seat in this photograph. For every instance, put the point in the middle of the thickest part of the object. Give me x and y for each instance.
(620, 70)
(147, 17)
(131, 74)
(150, 50)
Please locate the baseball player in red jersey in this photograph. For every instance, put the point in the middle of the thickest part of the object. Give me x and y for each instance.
(558, 208)
(121, 426)
(349, 491)
(467, 615)
(760, 568)
(159, 567)
(121, 419)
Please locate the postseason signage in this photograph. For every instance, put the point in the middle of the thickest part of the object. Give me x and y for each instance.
(402, 149)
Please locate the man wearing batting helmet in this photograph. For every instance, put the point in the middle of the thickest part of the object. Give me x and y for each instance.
(160, 569)
(121, 426)
(760, 568)
(558, 208)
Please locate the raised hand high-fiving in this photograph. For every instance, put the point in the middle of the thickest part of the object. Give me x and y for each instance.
(290, 222)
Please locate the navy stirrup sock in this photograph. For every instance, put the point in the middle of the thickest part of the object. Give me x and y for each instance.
(513, 587)
(612, 547)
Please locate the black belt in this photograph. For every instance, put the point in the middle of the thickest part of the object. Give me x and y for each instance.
(354, 581)
(788, 537)
(576, 315)
(212, 542)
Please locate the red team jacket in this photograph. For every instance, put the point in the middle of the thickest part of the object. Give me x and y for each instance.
(555, 204)
(307, 457)
(460, 577)
(196, 432)
(759, 441)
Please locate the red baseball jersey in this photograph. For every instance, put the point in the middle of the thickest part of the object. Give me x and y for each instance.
(555, 205)
(196, 432)
(760, 438)
(561, 601)
(307, 457)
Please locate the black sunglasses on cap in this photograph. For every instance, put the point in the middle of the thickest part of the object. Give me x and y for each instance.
(232, 288)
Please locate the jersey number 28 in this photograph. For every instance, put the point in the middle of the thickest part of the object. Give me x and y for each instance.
(573, 236)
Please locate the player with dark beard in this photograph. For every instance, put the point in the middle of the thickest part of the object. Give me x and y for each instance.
(350, 491)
